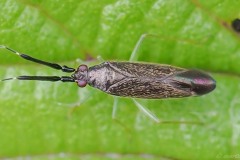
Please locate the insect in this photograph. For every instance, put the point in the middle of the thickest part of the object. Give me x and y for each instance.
(131, 79)
(127, 79)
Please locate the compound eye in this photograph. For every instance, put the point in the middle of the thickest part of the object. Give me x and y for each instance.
(81, 83)
(82, 68)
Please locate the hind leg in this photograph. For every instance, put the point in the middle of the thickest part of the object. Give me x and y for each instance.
(153, 117)
(133, 57)
(142, 108)
(115, 103)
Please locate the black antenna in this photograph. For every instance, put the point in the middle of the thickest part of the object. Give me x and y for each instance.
(29, 58)
(42, 78)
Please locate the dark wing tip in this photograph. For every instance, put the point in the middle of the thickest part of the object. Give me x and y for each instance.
(196, 81)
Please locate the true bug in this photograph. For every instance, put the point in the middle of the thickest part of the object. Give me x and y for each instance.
(128, 79)
(137, 80)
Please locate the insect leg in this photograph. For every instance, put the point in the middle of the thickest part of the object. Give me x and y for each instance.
(145, 111)
(153, 117)
(115, 103)
(100, 59)
(137, 45)
(133, 56)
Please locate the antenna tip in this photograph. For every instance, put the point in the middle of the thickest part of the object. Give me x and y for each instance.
(6, 79)
(2, 46)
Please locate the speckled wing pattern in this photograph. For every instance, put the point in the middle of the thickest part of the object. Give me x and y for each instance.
(145, 80)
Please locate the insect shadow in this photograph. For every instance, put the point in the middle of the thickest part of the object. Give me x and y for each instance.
(131, 79)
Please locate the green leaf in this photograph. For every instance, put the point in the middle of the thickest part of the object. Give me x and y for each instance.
(44, 120)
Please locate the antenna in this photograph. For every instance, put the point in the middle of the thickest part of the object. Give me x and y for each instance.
(42, 78)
